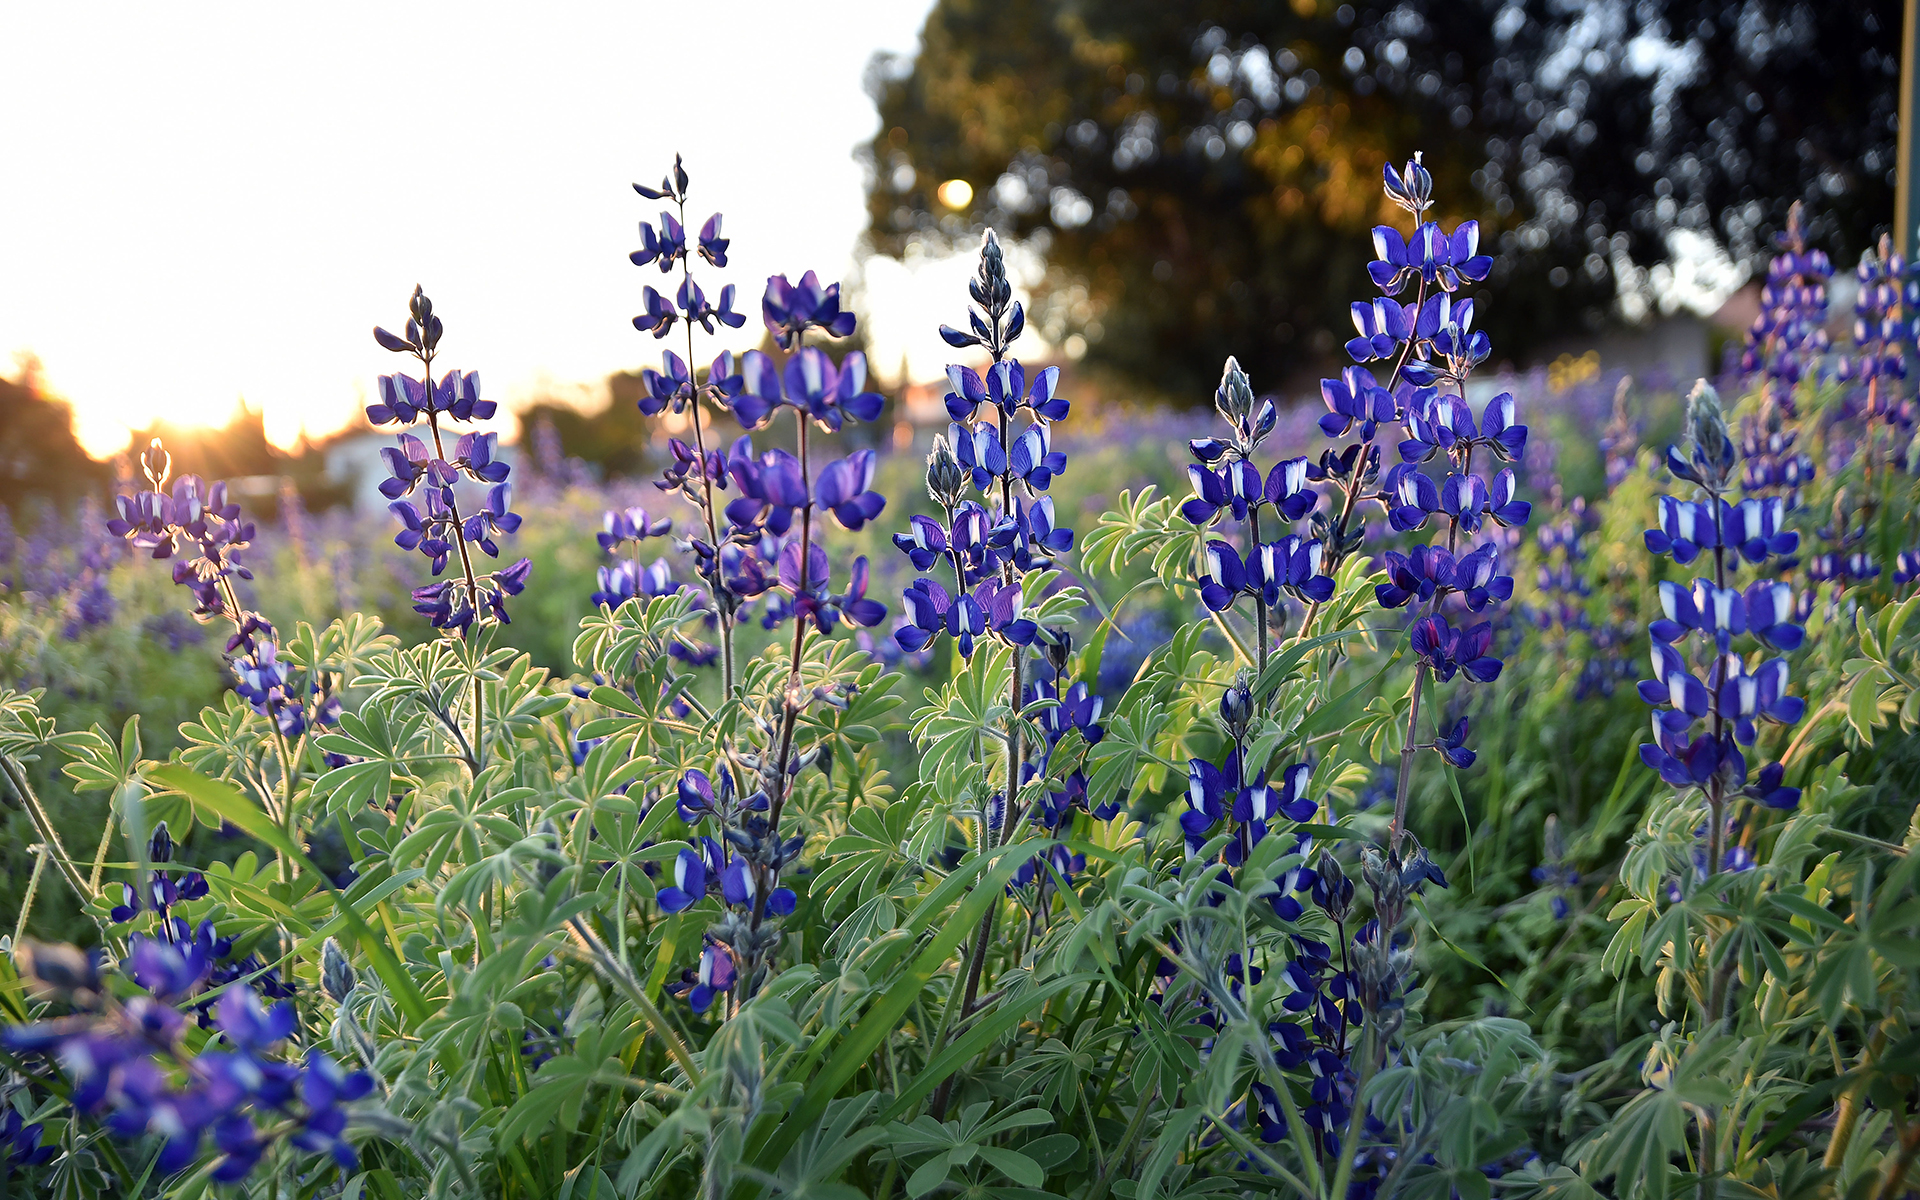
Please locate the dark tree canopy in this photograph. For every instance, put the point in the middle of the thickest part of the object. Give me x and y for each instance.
(1201, 176)
(39, 455)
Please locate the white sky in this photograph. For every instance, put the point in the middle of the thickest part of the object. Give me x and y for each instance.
(211, 203)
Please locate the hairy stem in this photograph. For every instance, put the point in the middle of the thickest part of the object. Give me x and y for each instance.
(1407, 750)
(706, 484)
(1260, 599)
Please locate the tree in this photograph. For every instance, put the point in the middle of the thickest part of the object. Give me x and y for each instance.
(39, 455)
(1200, 177)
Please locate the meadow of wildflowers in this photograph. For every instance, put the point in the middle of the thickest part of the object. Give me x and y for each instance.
(1411, 797)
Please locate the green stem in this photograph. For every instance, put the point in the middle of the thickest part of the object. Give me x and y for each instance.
(1123, 1147)
(1407, 750)
(43, 824)
(33, 885)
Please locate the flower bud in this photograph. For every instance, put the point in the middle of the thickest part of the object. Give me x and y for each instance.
(946, 479)
(1384, 881)
(993, 266)
(156, 464)
(419, 305)
(1708, 443)
(1059, 647)
(1555, 844)
(337, 977)
(1332, 890)
(1236, 708)
(160, 846)
(1234, 398)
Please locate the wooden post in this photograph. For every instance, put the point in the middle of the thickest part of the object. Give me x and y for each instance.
(1905, 212)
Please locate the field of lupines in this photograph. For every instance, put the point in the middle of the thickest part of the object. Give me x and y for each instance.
(1413, 798)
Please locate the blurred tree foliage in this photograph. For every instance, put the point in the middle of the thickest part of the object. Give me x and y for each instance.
(615, 443)
(255, 469)
(1200, 176)
(39, 455)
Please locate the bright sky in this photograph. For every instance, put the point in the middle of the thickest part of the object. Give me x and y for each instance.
(217, 202)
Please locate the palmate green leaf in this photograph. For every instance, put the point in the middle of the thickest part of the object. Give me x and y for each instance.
(1139, 523)
(1853, 956)
(972, 706)
(383, 744)
(862, 861)
(1167, 1146)
(1536, 1180)
(223, 738)
(1000, 1021)
(22, 727)
(1638, 1145)
(956, 1143)
(469, 821)
(989, 875)
(558, 1094)
(342, 649)
(1285, 662)
(96, 763)
(227, 803)
(1134, 730)
(609, 642)
(521, 700)
(223, 802)
(1863, 701)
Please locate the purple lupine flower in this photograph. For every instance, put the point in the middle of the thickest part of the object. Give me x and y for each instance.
(634, 524)
(845, 489)
(713, 247)
(979, 451)
(1356, 398)
(1754, 527)
(827, 393)
(671, 387)
(1292, 565)
(1222, 577)
(1211, 794)
(1452, 745)
(660, 315)
(714, 977)
(1411, 497)
(1447, 650)
(1414, 576)
(790, 309)
(1002, 606)
(689, 883)
(1286, 489)
(926, 607)
(666, 247)
(771, 487)
(1686, 528)
(966, 392)
(925, 545)
(1475, 576)
(1464, 498)
(1383, 326)
(1033, 460)
(1030, 537)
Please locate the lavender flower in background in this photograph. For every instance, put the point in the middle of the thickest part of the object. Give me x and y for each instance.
(196, 525)
(1789, 335)
(1882, 330)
